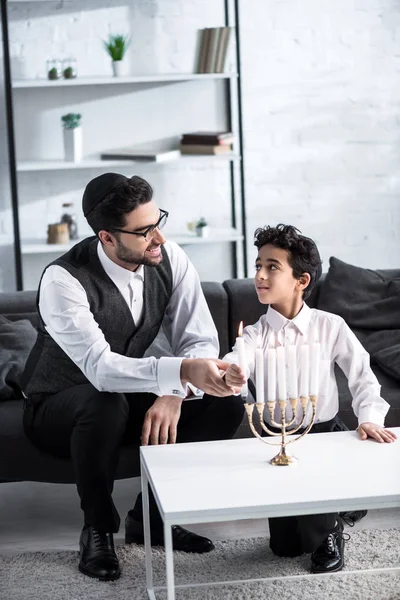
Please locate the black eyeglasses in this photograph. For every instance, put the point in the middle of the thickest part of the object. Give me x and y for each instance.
(149, 231)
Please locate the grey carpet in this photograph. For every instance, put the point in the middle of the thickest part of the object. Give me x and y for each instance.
(54, 576)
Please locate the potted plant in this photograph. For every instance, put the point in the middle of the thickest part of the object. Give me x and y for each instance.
(116, 47)
(53, 69)
(202, 227)
(72, 136)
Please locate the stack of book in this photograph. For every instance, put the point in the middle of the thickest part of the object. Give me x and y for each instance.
(207, 142)
(213, 49)
(155, 151)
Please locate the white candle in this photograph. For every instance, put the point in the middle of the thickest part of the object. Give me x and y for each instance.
(315, 366)
(271, 365)
(304, 370)
(281, 362)
(292, 365)
(241, 351)
(259, 365)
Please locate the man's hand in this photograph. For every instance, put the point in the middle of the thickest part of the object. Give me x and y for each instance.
(204, 373)
(378, 433)
(235, 378)
(161, 420)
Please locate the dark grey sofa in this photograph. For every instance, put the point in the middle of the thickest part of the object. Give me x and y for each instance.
(230, 302)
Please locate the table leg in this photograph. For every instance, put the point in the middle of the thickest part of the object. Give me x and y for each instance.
(169, 560)
(147, 539)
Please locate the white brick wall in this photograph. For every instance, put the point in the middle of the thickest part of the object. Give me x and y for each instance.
(322, 128)
(320, 100)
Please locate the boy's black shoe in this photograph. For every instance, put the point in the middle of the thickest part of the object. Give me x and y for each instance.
(329, 556)
(97, 555)
(352, 516)
(182, 539)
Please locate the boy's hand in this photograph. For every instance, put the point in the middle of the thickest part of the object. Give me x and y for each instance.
(378, 433)
(235, 378)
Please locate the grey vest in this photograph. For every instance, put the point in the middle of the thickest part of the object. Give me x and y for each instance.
(48, 369)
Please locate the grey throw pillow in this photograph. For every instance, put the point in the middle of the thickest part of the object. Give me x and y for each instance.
(384, 348)
(365, 299)
(389, 361)
(16, 341)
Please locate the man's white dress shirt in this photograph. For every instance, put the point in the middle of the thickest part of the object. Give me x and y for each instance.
(188, 330)
(338, 345)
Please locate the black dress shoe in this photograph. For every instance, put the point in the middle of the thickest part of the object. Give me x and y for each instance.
(97, 555)
(352, 516)
(182, 539)
(329, 556)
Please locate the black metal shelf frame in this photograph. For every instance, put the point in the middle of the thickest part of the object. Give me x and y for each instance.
(237, 179)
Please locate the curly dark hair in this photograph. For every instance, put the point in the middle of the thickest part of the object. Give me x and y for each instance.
(123, 199)
(303, 255)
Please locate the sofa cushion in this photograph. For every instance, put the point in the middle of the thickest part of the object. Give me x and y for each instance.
(243, 305)
(16, 341)
(365, 299)
(384, 348)
(389, 391)
(217, 301)
(20, 460)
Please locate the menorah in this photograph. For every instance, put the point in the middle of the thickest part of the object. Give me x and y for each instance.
(282, 458)
(278, 357)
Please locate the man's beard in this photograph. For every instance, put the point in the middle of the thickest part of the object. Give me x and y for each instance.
(134, 258)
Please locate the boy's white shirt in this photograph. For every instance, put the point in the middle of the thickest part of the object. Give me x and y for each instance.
(338, 345)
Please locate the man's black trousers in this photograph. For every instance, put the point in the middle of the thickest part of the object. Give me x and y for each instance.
(90, 427)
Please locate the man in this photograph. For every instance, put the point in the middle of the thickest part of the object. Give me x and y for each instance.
(93, 381)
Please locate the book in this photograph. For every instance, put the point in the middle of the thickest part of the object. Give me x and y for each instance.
(204, 149)
(213, 138)
(203, 52)
(222, 52)
(212, 50)
(151, 152)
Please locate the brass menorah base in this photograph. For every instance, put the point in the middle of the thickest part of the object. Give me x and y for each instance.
(282, 459)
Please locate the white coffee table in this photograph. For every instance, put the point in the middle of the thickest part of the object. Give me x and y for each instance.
(231, 480)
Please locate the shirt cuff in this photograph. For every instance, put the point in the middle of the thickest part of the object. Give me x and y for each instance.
(369, 414)
(197, 393)
(169, 376)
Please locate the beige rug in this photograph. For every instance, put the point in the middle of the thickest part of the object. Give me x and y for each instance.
(54, 576)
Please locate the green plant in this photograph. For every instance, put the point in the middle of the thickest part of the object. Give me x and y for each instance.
(117, 45)
(69, 73)
(53, 73)
(71, 120)
(201, 223)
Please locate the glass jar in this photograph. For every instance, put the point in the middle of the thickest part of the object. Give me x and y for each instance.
(54, 69)
(69, 69)
(71, 220)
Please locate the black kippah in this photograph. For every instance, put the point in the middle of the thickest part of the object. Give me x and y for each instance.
(98, 188)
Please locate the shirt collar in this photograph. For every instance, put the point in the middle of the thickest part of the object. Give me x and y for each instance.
(278, 321)
(120, 276)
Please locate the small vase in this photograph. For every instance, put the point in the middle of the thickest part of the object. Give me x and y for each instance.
(117, 68)
(202, 231)
(73, 144)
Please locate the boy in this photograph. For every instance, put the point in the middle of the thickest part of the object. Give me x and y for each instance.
(288, 266)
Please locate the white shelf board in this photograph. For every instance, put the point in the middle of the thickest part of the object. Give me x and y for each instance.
(216, 236)
(97, 163)
(82, 81)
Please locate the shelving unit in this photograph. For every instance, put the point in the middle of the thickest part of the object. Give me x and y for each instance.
(107, 87)
(216, 236)
(97, 163)
(82, 81)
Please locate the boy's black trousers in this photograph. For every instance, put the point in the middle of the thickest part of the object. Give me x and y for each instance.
(90, 427)
(292, 536)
